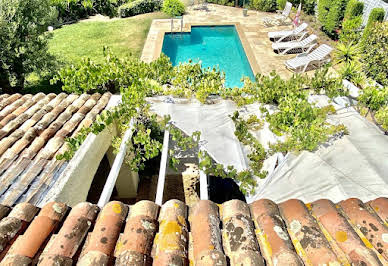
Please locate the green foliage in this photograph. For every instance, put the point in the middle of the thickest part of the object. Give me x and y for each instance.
(351, 30)
(352, 71)
(222, 2)
(113, 74)
(23, 41)
(375, 56)
(354, 9)
(72, 10)
(173, 8)
(347, 52)
(192, 80)
(308, 6)
(138, 7)
(351, 25)
(330, 14)
(245, 179)
(376, 15)
(324, 83)
(382, 117)
(281, 4)
(374, 97)
(303, 124)
(264, 5)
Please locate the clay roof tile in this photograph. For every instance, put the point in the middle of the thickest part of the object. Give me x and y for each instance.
(338, 227)
(107, 229)
(93, 258)
(238, 229)
(380, 206)
(24, 211)
(172, 237)
(205, 228)
(144, 208)
(54, 210)
(368, 222)
(271, 231)
(305, 233)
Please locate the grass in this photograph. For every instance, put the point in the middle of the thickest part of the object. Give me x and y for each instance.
(87, 38)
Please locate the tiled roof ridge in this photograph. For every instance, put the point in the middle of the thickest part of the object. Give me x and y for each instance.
(232, 233)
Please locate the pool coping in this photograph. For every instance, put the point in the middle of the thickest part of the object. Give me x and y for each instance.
(187, 28)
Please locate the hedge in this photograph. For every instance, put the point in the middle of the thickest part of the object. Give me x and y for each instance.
(330, 15)
(351, 25)
(375, 56)
(173, 8)
(376, 15)
(72, 10)
(354, 9)
(222, 2)
(264, 5)
(138, 7)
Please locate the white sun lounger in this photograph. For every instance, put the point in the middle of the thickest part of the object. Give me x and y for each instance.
(318, 57)
(281, 18)
(289, 35)
(296, 46)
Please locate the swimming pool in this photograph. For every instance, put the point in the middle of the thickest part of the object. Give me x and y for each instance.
(214, 46)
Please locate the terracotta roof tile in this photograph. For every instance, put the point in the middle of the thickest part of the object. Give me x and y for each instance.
(368, 222)
(289, 233)
(238, 231)
(33, 129)
(304, 231)
(171, 241)
(380, 206)
(140, 229)
(343, 234)
(205, 229)
(107, 229)
(275, 243)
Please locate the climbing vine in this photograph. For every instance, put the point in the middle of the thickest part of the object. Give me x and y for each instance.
(303, 124)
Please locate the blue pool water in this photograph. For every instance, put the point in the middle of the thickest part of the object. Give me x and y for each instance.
(214, 46)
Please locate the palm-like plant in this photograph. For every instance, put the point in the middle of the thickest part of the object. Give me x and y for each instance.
(352, 71)
(347, 52)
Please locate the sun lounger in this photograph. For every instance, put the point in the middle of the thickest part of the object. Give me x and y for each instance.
(289, 35)
(281, 18)
(316, 58)
(295, 46)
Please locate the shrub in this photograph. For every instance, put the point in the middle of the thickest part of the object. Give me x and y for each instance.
(351, 30)
(382, 117)
(376, 15)
(354, 9)
(264, 5)
(23, 41)
(330, 14)
(375, 56)
(138, 7)
(70, 10)
(281, 4)
(351, 25)
(173, 8)
(308, 6)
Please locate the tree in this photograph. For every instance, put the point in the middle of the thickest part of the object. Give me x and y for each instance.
(23, 40)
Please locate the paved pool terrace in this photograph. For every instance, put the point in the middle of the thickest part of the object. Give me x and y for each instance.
(251, 30)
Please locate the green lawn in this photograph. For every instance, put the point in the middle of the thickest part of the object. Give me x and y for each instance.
(86, 38)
